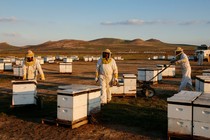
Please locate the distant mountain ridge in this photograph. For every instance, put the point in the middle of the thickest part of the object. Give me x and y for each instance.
(101, 43)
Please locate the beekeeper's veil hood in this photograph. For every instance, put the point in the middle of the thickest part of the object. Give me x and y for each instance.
(178, 51)
(106, 53)
(29, 58)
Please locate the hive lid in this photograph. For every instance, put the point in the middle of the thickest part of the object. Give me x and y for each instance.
(184, 96)
(129, 75)
(207, 71)
(71, 92)
(24, 81)
(78, 87)
(203, 78)
(204, 99)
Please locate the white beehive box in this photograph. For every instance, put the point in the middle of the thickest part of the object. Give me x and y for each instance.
(24, 92)
(206, 72)
(201, 116)
(19, 61)
(8, 66)
(169, 72)
(117, 90)
(93, 95)
(146, 74)
(202, 83)
(65, 67)
(41, 60)
(71, 104)
(67, 60)
(180, 112)
(18, 70)
(129, 83)
(1, 66)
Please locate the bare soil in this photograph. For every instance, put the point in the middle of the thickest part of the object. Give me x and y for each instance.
(25, 122)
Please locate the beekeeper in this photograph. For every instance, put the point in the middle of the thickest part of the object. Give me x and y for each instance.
(182, 59)
(200, 58)
(107, 74)
(32, 67)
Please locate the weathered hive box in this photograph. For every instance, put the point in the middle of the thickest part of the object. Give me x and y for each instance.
(24, 92)
(65, 67)
(129, 84)
(206, 72)
(1, 66)
(67, 60)
(202, 83)
(118, 90)
(201, 116)
(19, 61)
(41, 60)
(18, 71)
(8, 66)
(71, 104)
(146, 74)
(180, 111)
(169, 72)
(93, 95)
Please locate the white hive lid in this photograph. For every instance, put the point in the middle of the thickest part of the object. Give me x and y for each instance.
(184, 96)
(23, 81)
(204, 99)
(129, 75)
(71, 92)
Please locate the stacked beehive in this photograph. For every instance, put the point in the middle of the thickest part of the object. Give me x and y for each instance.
(76, 102)
(202, 83)
(66, 66)
(146, 74)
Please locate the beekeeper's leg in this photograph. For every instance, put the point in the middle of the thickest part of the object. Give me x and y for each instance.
(189, 83)
(184, 80)
(103, 89)
(108, 90)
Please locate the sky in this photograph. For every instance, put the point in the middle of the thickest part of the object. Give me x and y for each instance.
(31, 22)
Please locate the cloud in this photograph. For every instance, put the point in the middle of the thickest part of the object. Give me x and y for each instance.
(11, 35)
(143, 22)
(8, 19)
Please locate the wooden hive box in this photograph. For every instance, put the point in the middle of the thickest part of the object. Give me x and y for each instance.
(18, 71)
(169, 72)
(65, 67)
(180, 113)
(146, 74)
(129, 84)
(24, 92)
(201, 117)
(206, 72)
(202, 83)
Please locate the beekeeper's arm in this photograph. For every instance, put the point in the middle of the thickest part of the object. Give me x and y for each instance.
(182, 60)
(24, 72)
(40, 70)
(97, 70)
(115, 70)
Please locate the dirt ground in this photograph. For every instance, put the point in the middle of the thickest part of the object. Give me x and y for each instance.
(25, 123)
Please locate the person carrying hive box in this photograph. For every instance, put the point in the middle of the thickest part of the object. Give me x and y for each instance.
(31, 67)
(107, 74)
(182, 59)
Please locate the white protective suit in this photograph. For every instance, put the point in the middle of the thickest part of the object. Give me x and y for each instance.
(105, 72)
(183, 60)
(200, 58)
(32, 69)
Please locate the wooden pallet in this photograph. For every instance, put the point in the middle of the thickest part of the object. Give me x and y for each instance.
(59, 122)
(172, 136)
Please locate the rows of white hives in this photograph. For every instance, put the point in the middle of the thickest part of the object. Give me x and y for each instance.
(95, 58)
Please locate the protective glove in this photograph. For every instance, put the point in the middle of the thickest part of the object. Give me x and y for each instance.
(24, 77)
(96, 79)
(116, 80)
(42, 77)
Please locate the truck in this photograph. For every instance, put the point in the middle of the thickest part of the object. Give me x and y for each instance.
(206, 52)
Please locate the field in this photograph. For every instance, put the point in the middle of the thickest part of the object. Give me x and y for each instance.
(123, 118)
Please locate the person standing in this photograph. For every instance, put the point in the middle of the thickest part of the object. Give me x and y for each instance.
(106, 73)
(200, 58)
(32, 67)
(182, 59)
